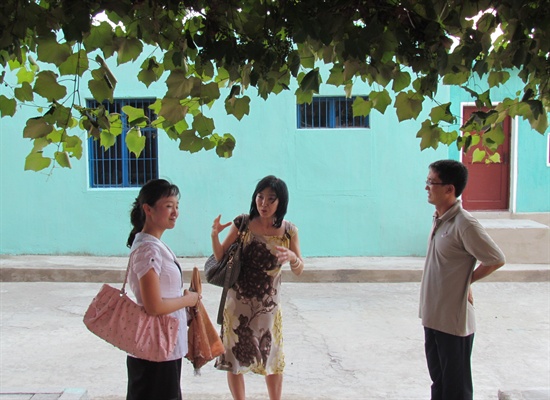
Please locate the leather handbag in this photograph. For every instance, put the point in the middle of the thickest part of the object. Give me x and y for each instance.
(117, 319)
(225, 272)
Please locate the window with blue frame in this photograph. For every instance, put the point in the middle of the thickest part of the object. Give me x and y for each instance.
(329, 112)
(117, 167)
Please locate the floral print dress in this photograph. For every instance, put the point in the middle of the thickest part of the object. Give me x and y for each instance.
(252, 318)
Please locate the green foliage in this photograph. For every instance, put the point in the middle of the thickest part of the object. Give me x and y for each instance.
(7, 106)
(203, 48)
(135, 141)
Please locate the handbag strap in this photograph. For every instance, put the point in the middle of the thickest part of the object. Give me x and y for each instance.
(243, 227)
(239, 241)
(123, 290)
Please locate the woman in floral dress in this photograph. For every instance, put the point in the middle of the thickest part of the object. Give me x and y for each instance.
(252, 324)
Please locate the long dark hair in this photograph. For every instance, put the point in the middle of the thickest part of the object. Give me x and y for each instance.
(280, 189)
(150, 193)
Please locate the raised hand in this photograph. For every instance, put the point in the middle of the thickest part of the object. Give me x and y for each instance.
(217, 227)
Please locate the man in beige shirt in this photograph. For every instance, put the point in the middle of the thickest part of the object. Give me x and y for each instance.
(457, 241)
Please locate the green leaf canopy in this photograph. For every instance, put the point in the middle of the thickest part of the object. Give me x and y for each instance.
(405, 50)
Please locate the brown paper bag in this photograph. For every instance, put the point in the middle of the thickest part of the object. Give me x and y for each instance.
(203, 339)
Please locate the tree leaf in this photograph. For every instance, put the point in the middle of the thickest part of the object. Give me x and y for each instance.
(336, 76)
(429, 135)
(457, 79)
(179, 86)
(36, 128)
(147, 77)
(62, 159)
(303, 97)
(46, 86)
(401, 81)
(55, 136)
(135, 141)
(238, 106)
(442, 112)
(75, 64)
(203, 125)
(172, 110)
(50, 51)
(447, 137)
(225, 146)
(106, 139)
(136, 116)
(496, 78)
(307, 58)
(40, 144)
(73, 145)
(58, 115)
(25, 76)
(494, 158)
(99, 37)
(115, 125)
(190, 142)
(24, 93)
(311, 81)
(351, 67)
(100, 90)
(128, 49)
(7, 106)
(36, 162)
(361, 107)
(494, 137)
(478, 155)
(208, 92)
(537, 117)
(539, 124)
(408, 105)
(151, 71)
(380, 100)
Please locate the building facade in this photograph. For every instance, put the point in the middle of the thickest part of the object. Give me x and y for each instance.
(354, 191)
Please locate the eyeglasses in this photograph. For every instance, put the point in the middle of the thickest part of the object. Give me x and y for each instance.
(430, 183)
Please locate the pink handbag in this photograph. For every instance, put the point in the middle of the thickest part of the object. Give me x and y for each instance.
(117, 319)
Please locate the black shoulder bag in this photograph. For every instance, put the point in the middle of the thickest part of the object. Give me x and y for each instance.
(225, 272)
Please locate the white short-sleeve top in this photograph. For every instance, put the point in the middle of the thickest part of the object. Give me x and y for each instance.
(149, 252)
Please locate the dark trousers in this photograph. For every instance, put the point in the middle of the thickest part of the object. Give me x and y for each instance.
(148, 380)
(448, 358)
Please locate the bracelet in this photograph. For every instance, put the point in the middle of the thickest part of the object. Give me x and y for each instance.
(295, 264)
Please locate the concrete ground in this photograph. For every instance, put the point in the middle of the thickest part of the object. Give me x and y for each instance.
(357, 337)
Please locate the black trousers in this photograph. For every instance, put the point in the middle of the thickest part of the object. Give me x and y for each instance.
(148, 380)
(448, 358)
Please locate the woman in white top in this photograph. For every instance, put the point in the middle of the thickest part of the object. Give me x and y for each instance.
(156, 280)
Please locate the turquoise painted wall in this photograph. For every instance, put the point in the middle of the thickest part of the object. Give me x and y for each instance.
(352, 192)
(533, 192)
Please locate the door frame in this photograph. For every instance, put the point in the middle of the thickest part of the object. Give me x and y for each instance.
(513, 155)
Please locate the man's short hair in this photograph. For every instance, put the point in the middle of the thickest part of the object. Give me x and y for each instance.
(451, 172)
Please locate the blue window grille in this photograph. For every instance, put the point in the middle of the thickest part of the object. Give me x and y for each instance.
(117, 167)
(329, 112)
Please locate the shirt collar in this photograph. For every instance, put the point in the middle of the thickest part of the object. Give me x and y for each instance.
(450, 213)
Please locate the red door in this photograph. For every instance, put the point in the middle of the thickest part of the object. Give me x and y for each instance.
(488, 185)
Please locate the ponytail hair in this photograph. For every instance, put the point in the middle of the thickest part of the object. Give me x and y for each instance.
(150, 193)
